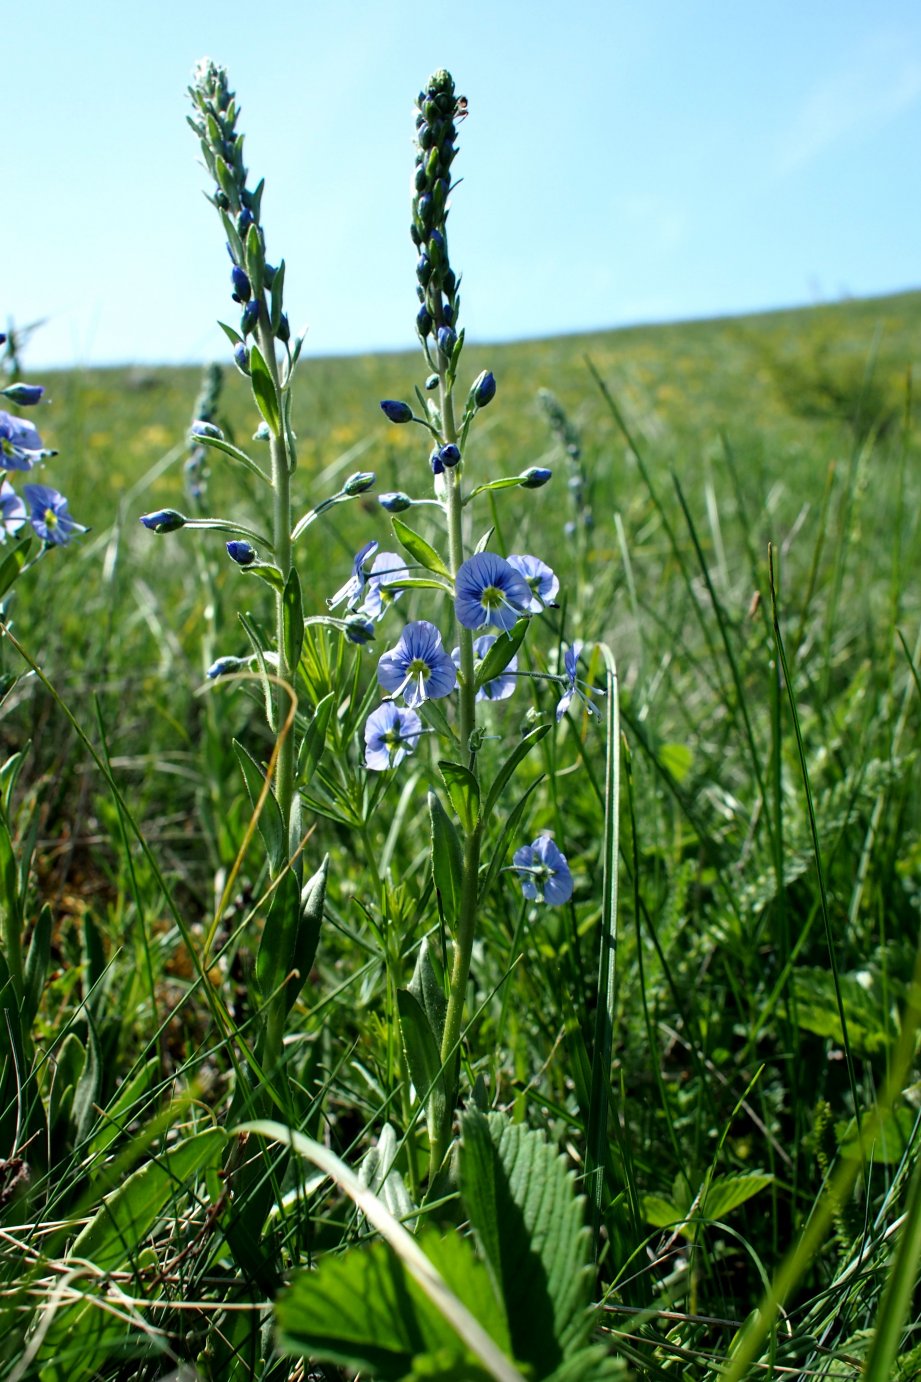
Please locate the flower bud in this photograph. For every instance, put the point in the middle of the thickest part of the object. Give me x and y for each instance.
(423, 322)
(423, 269)
(24, 395)
(534, 477)
(283, 333)
(484, 389)
(243, 553)
(206, 429)
(250, 317)
(447, 339)
(396, 410)
(395, 502)
(358, 629)
(241, 357)
(242, 290)
(359, 482)
(163, 520)
(450, 455)
(225, 665)
(244, 221)
(435, 461)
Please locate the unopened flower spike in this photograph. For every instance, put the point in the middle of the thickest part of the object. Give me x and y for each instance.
(436, 133)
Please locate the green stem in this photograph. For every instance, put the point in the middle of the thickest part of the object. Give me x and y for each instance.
(281, 536)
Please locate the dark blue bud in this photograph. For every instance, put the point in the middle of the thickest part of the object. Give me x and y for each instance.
(396, 502)
(420, 179)
(241, 357)
(242, 288)
(24, 395)
(244, 221)
(268, 274)
(424, 269)
(284, 329)
(2, 338)
(424, 210)
(423, 322)
(415, 234)
(447, 340)
(484, 389)
(224, 665)
(358, 483)
(436, 462)
(424, 136)
(396, 411)
(534, 477)
(449, 455)
(206, 429)
(163, 520)
(358, 629)
(221, 199)
(243, 553)
(432, 382)
(450, 282)
(250, 317)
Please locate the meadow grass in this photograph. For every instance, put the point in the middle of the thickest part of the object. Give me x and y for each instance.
(752, 565)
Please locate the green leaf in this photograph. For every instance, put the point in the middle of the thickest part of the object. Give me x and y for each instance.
(12, 564)
(501, 653)
(313, 899)
(277, 293)
(232, 335)
(37, 962)
(122, 1109)
(417, 547)
(271, 825)
(417, 583)
(363, 1310)
(509, 833)
(265, 571)
(275, 956)
(464, 791)
(228, 449)
(676, 759)
(264, 390)
(424, 1060)
(529, 1224)
(447, 859)
(520, 752)
(314, 740)
(293, 616)
(427, 988)
(728, 1192)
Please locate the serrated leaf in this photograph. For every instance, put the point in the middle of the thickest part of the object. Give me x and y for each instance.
(501, 653)
(728, 1192)
(447, 859)
(424, 1060)
(363, 1310)
(529, 1223)
(264, 390)
(271, 825)
(464, 791)
(661, 1213)
(519, 753)
(417, 547)
(293, 617)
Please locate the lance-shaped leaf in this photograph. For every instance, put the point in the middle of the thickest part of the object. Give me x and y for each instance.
(447, 859)
(293, 616)
(464, 791)
(417, 547)
(264, 390)
(271, 825)
(314, 740)
(424, 1060)
(275, 956)
(501, 653)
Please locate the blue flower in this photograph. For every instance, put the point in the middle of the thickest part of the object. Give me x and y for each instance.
(386, 568)
(542, 581)
(418, 667)
(490, 591)
(20, 444)
(163, 520)
(544, 872)
(573, 686)
(502, 686)
(396, 411)
(390, 734)
(354, 587)
(12, 511)
(243, 553)
(49, 515)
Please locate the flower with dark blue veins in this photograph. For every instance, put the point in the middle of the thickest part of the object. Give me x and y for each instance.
(390, 734)
(543, 871)
(386, 568)
(49, 515)
(354, 587)
(163, 520)
(12, 511)
(574, 685)
(243, 553)
(502, 686)
(542, 581)
(23, 395)
(20, 445)
(396, 410)
(418, 668)
(490, 591)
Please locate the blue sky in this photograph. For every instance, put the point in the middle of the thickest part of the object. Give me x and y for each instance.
(622, 163)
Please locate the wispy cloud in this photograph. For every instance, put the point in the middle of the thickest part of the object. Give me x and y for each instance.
(880, 82)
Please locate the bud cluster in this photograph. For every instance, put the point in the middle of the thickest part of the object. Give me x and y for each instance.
(206, 408)
(435, 150)
(255, 285)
